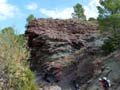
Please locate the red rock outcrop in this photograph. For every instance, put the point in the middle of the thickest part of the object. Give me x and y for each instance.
(53, 44)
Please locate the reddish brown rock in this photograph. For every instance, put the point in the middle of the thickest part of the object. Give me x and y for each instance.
(54, 42)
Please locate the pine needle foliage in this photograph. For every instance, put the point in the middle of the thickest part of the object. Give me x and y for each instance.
(14, 69)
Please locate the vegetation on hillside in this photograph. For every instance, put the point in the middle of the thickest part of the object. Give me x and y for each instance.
(109, 21)
(92, 19)
(14, 70)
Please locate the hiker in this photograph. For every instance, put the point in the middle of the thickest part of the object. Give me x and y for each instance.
(105, 83)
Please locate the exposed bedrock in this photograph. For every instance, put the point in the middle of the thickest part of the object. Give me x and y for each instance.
(56, 46)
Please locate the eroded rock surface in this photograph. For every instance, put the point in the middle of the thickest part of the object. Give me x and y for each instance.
(111, 66)
(60, 49)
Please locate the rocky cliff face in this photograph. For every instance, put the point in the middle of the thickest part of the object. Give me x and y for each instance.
(60, 49)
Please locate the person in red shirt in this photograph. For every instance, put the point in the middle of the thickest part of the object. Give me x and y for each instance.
(105, 83)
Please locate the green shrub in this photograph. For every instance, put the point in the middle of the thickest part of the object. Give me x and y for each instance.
(14, 69)
(92, 19)
(111, 44)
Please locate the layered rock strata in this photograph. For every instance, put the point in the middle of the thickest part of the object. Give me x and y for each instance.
(54, 44)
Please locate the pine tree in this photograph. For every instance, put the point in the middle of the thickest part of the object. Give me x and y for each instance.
(78, 12)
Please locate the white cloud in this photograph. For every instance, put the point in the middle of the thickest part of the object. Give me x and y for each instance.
(32, 6)
(55, 13)
(7, 10)
(90, 9)
(2, 1)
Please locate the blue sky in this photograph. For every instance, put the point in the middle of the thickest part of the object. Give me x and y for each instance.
(14, 12)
